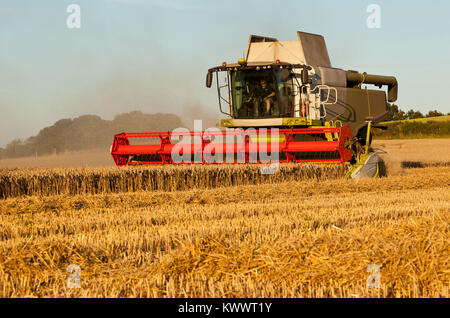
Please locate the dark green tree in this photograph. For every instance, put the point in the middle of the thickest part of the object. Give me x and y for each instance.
(87, 132)
(434, 113)
(413, 114)
(394, 113)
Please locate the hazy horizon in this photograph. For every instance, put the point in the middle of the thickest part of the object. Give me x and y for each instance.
(153, 56)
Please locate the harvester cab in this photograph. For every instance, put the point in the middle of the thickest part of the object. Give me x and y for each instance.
(282, 98)
(271, 90)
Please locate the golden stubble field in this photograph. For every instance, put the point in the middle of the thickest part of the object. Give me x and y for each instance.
(311, 237)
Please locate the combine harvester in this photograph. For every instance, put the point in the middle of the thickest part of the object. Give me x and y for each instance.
(283, 98)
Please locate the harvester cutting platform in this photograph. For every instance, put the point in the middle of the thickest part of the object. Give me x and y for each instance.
(284, 102)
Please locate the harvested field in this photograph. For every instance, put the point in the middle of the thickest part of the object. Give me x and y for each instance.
(407, 153)
(85, 158)
(308, 238)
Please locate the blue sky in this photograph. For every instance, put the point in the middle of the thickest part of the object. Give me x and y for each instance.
(152, 55)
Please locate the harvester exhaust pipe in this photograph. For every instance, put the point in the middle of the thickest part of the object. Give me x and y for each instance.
(355, 79)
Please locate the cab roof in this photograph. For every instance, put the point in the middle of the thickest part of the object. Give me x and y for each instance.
(256, 65)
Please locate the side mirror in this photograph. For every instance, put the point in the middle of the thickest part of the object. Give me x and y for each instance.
(305, 78)
(209, 77)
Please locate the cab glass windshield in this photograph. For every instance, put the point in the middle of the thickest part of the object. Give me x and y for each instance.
(261, 94)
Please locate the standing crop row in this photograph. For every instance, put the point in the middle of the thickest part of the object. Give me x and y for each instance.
(72, 181)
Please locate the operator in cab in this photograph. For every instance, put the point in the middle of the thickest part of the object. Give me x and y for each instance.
(267, 95)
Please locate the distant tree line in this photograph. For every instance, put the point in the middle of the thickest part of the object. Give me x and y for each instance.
(87, 132)
(91, 131)
(399, 126)
(395, 113)
(414, 129)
